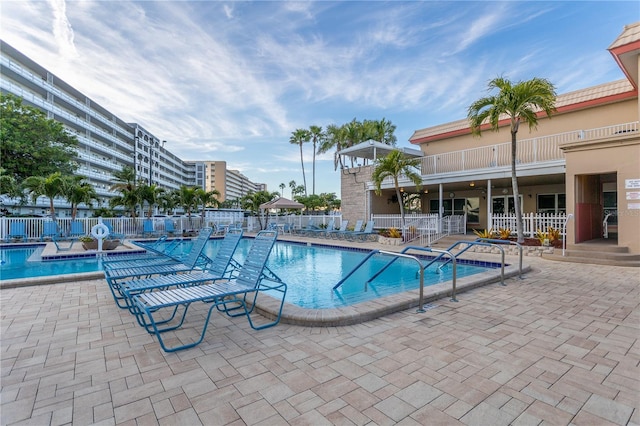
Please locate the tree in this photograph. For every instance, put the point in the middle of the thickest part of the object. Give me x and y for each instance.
(521, 101)
(316, 136)
(79, 192)
(298, 137)
(282, 187)
(150, 194)
(126, 185)
(31, 144)
(293, 185)
(394, 165)
(51, 187)
(253, 200)
(334, 139)
(205, 199)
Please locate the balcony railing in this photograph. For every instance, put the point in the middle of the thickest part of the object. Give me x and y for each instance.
(530, 151)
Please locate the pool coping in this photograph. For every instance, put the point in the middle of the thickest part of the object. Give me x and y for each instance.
(268, 306)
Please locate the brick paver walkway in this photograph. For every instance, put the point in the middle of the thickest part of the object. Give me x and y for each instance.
(560, 347)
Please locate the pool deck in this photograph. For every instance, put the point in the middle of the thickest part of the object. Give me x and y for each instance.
(558, 347)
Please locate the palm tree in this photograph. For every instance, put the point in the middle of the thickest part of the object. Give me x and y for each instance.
(125, 183)
(188, 199)
(79, 192)
(384, 131)
(292, 185)
(205, 199)
(151, 195)
(298, 137)
(282, 187)
(334, 139)
(316, 135)
(253, 200)
(51, 187)
(394, 165)
(521, 101)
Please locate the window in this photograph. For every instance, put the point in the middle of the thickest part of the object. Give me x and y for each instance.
(460, 206)
(498, 205)
(552, 203)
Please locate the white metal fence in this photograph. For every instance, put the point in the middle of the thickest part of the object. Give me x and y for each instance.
(532, 222)
(296, 221)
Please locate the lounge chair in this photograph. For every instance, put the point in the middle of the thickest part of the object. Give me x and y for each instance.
(169, 227)
(193, 260)
(222, 266)
(157, 252)
(345, 234)
(50, 230)
(76, 229)
(17, 231)
(230, 297)
(321, 231)
(335, 232)
(310, 227)
(112, 234)
(361, 235)
(147, 227)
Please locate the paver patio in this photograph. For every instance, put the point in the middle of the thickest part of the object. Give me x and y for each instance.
(559, 347)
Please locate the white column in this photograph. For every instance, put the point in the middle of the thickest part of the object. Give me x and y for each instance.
(489, 204)
(440, 201)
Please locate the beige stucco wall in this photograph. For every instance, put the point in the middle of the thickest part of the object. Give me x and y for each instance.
(620, 156)
(591, 118)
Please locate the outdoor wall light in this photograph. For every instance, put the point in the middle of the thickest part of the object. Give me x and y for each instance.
(472, 184)
(452, 194)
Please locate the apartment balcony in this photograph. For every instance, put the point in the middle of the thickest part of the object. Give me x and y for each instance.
(530, 151)
(535, 156)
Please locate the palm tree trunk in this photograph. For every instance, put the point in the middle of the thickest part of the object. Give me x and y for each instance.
(304, 179)
(399, 197)
(516, 193)
(52, 209)
(314, 168)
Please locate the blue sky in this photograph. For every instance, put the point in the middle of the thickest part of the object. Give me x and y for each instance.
(231, 81)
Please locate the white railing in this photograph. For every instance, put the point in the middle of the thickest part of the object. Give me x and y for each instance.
(532, 222)
(297, 221)
(535, 150)
(131, 228)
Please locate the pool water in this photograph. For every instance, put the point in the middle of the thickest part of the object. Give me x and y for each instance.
(309, 271)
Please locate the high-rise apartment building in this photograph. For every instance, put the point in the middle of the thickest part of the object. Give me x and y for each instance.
(231, 184)
(106, 142)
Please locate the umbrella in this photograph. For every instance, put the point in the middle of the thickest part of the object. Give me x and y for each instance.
(281, 203)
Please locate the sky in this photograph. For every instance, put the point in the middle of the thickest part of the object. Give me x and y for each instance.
(231, 80)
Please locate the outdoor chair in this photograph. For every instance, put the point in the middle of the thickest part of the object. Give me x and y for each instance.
(362, 235)
(112, 234)
(334, 232)
(321, 231)
(147, 228)
(169, 227)
(223, 265)
(194, 259)
(345, 234)
(310, 227)
(17, 231)
(50, 230)
(236, 297)
(76, 229)
(157, 252)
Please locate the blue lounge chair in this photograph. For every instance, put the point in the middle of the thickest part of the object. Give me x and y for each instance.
(147, 227)
(222, 266)
(345, 234)
(112, 234)
(362, 235)
(50, 230)
(334, 232)
(235, 297)
(17, 231)
(321, 231)
(193, 260)
(310, 227)
(158, 252)
(76, 229)
(169, 227)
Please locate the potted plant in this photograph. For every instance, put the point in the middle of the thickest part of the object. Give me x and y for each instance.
(90, 243)
(391, 236)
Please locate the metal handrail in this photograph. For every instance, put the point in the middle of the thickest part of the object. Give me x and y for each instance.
(469, 244)
(407, 256)
(494, 241)
(367, 257)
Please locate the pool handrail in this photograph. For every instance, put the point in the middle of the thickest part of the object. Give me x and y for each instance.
(513, 243)
(403, 251)
(442, 252)
(469, 245)
(403, 254)
(362, 262)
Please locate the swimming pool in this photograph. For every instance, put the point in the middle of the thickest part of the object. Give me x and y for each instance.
(310, 271)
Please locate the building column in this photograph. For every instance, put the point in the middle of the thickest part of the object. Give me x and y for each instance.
(489, 204)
